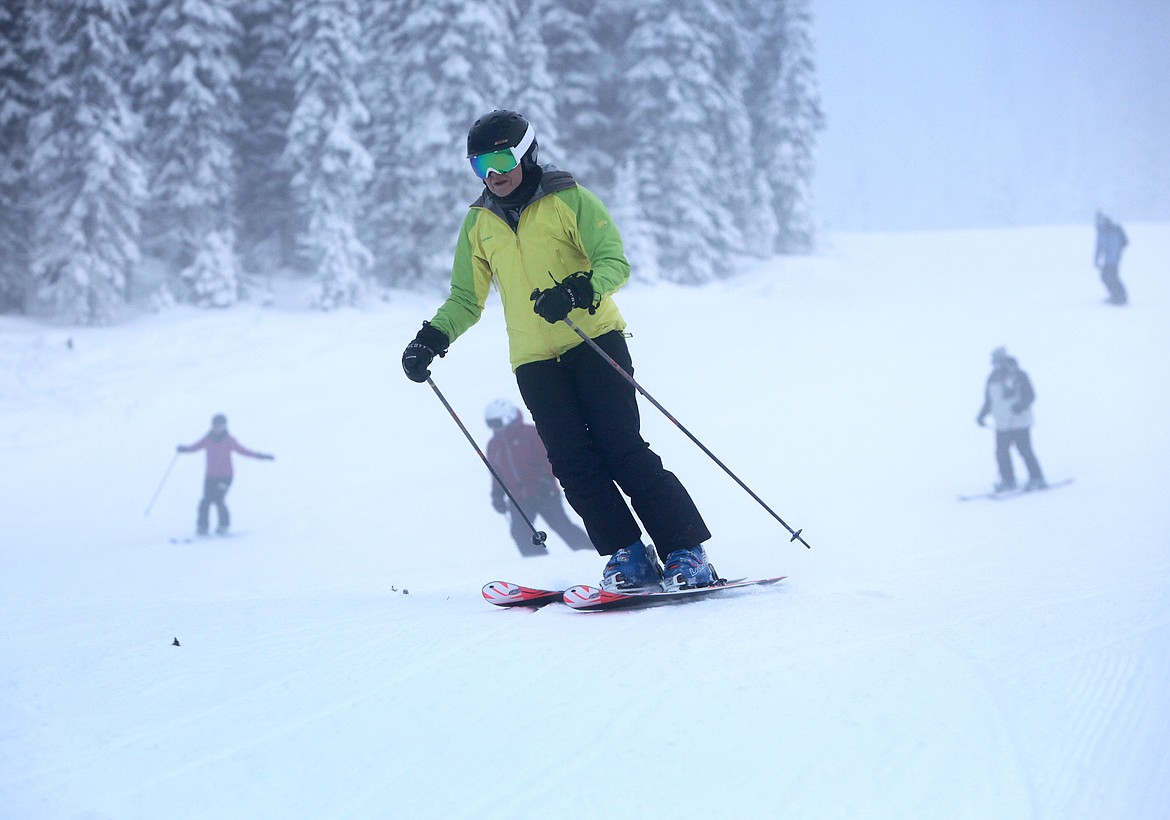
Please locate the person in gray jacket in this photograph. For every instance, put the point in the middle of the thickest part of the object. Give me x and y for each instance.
(1008, 397)
(1111, 241)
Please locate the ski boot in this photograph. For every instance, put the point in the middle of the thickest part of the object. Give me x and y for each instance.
(1035, 483)
(687, 568)
(632, 568)
(1004, 486)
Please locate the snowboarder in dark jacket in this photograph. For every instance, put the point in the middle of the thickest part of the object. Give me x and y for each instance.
(1111, 241)
(219, 445)
(517, 455)
(551, 249)
(1008, 397)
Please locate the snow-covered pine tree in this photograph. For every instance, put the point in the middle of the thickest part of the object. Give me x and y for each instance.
(688, 135)
(749, 196)
(786, 114)
(268, 225)
(582, 72)
(16, 105)
(637, 234)
(83, 165)
(536, 96)
(331, 167)
(185, 84)
(439, 64)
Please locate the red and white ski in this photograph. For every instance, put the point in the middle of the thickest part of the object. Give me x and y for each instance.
(503, 593)
(585, 598)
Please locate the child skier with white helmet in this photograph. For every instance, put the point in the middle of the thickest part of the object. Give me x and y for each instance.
(518, 457)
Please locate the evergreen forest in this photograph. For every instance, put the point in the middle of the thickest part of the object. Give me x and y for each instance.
(165, 152)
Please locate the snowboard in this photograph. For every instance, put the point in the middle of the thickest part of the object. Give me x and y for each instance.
(211, 536)
(585, 598)
(1009, 494)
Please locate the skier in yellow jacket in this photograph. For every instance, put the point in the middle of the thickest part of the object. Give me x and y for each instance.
(553, 251)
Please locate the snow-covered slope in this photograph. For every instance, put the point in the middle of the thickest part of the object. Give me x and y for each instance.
(926, 658)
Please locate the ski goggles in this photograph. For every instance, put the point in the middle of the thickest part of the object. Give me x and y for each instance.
(504, 160)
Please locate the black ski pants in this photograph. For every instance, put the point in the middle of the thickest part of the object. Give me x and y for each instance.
(1112, 280)
(214, 492)
(1022, 441)
(587, 417)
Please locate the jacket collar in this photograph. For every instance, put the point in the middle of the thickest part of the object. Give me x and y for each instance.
(551, 181)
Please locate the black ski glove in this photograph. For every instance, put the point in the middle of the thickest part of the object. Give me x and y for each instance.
(428, 343)
(554, 304)
(498, 504)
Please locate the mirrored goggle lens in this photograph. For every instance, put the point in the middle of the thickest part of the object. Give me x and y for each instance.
(501, 162)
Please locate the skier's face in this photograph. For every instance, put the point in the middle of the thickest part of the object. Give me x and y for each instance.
(503, 184)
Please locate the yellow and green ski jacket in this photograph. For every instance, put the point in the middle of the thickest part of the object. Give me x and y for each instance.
(563, 229)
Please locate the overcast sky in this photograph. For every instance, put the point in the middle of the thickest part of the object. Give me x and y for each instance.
(972, 113)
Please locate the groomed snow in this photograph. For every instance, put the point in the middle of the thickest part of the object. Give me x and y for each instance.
(926, 658)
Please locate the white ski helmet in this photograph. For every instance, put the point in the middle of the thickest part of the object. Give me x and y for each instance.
(501, 413)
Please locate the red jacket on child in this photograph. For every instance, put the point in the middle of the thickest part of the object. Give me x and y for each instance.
(219, 453)
(518, 455)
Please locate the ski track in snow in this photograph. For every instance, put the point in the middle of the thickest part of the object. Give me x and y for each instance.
(926, 658)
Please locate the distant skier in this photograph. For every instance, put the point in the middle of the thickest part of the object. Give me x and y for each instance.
(1008, 397)
(551, 249)
(518, 456)
(1111, 241)
(219, 445)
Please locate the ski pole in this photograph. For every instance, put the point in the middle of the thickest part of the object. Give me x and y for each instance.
(795, 533)
(150, 506)
(538, 536)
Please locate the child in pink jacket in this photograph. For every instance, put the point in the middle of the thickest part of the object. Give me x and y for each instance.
(219, 445)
